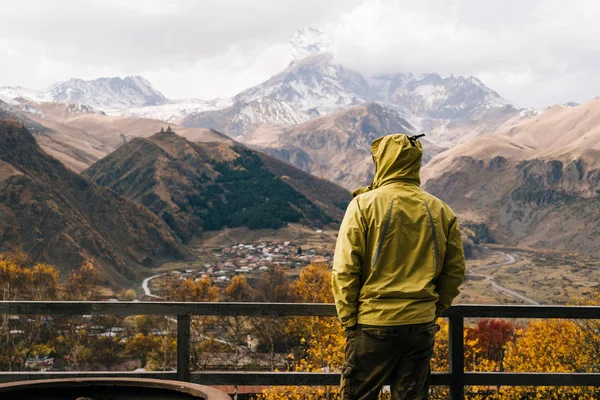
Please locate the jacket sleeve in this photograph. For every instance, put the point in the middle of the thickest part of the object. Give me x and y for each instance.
(453, 269)
(347, 262)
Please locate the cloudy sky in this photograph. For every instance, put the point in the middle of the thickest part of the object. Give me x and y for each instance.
(536, 53)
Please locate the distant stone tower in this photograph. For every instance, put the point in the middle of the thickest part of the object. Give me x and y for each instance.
(169, 130)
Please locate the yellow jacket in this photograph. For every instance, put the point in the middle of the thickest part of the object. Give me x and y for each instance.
(399, 257)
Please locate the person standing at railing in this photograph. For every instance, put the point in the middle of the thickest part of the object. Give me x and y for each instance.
(398, 265)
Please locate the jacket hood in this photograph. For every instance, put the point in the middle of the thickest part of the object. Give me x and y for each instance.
(397, 158)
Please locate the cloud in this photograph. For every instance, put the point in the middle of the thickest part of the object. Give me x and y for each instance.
(536, 52)
(45, 41)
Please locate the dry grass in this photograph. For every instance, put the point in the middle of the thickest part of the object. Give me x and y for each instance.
(546, 276)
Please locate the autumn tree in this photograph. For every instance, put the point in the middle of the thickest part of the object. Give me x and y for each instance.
(237, 328)
(20, 280)
(201, 290)
(321, 340)
(154, 352)
(491, 336)
(72, 340)
(557, 346)
(82, 283)
(193, 290)
(272, 287)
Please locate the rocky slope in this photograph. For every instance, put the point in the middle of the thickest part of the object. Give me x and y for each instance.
(200, 186)
(537, 184)
(62, 218)
(337, 146)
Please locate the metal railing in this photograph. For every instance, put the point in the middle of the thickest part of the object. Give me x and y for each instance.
(456, 378)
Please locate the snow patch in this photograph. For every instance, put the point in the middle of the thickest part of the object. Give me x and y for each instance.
(307, 42)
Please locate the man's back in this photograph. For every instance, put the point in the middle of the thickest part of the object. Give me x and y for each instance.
(405, 250)
(398, 264)
(399, 255)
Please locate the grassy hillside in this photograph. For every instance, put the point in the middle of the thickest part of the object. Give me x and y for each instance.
(206, 186)
(60, 217)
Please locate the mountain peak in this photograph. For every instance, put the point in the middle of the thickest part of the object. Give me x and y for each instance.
(307, 42)
(108, 93)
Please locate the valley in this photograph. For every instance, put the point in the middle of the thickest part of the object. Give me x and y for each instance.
(512, 275)
(499, 274)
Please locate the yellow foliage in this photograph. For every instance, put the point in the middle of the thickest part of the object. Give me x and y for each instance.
(82, 284)
(314, 284)
(238, 290)
(557, 346)
(190, 290)
(18, 281)
(322, 339)
(130, 295)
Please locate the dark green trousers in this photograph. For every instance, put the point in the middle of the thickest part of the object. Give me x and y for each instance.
(398, 356)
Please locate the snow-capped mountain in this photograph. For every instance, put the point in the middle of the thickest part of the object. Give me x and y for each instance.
(174, 111)
(101, 94)
(7, 100)
(450, 109)
(19, 92)
(314, 85)
(307, 42)
(241, 119)
(436, 97)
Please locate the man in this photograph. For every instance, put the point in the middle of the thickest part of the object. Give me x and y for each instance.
(398, 265)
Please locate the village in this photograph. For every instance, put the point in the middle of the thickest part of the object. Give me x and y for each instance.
(224, 263)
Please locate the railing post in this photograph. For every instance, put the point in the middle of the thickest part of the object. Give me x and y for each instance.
(457, 357)
(183, 348)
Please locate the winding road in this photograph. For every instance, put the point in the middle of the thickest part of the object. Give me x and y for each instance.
(146, 287)
(510, 259)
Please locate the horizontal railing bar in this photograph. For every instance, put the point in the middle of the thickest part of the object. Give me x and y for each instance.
(266, 378)
(277, 309)
(166, 308)
(321, 378)
(285, 378)
(523, 311)
(531, 379)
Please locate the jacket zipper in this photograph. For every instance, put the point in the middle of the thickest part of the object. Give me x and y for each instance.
(385, 228)
(435, 241)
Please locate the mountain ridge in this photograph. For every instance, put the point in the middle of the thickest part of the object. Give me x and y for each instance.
(205, 186)
(536, 184)
(60, 217)
(101, 93)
